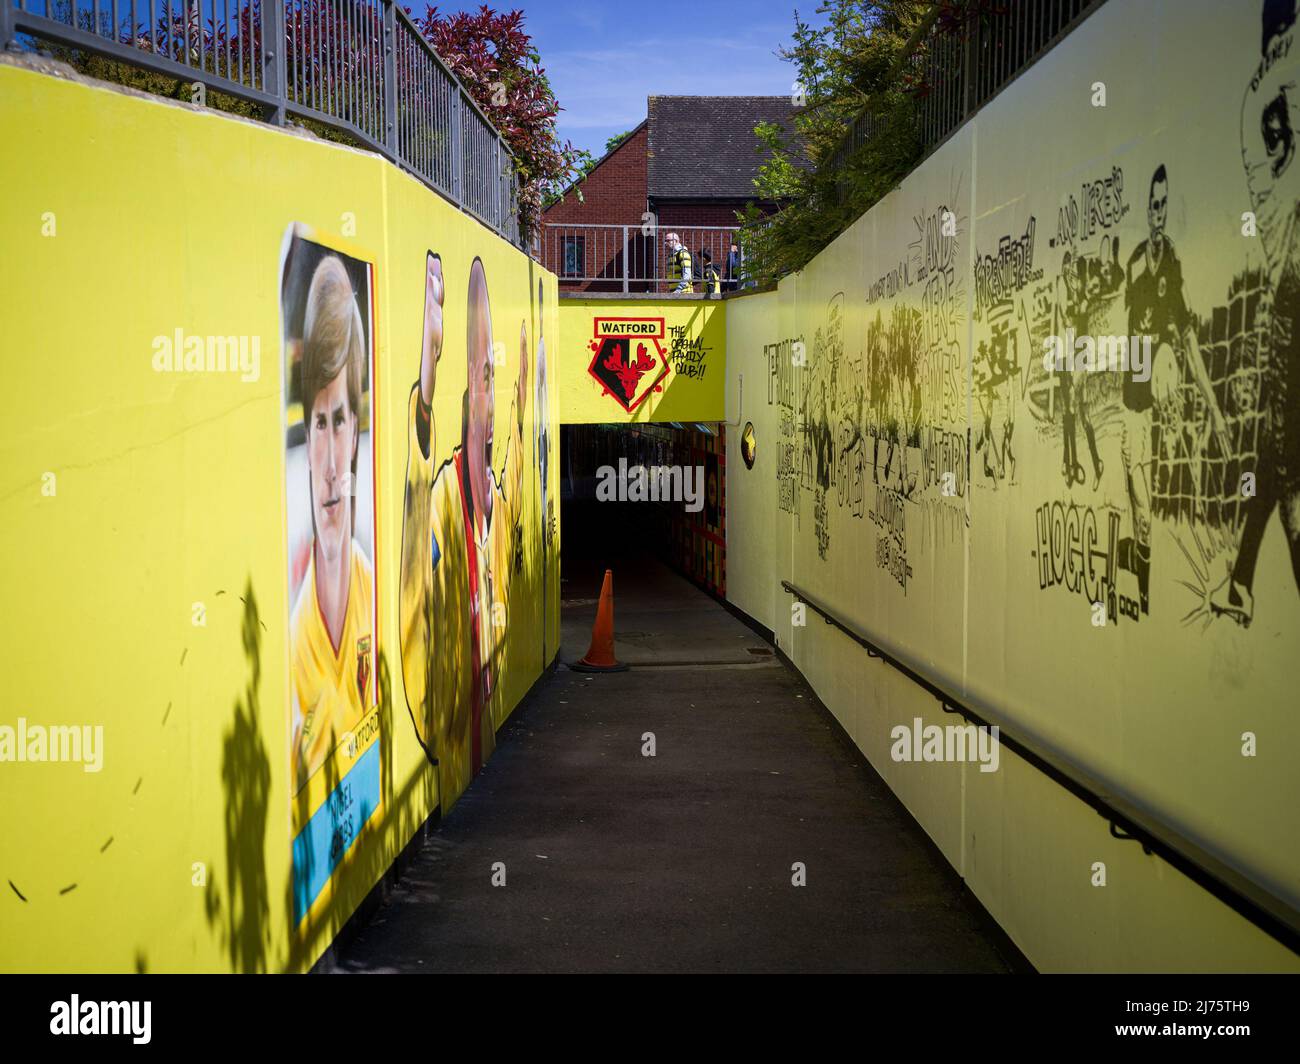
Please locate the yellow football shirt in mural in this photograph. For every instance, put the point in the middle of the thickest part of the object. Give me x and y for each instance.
(454, 572)
(332, 689)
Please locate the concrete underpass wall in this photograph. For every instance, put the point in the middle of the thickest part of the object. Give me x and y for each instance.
(751, 491)
(919, 471)
(157, 516)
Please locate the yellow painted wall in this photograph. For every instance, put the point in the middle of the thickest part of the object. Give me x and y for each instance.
(126, 219)
(671, 353)
(134, 504)
(751, 492)
(903, 470)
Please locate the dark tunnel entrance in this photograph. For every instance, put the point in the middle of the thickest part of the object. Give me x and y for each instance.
(637, 499)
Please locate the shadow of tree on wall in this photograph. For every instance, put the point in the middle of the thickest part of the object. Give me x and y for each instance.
(242, 916)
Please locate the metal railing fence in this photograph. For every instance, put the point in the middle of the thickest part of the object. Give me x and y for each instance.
(631, 258)
(358, 67)
(953, 73)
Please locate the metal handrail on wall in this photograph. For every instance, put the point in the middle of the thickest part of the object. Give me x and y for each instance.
(1253, 900)
(359, 67)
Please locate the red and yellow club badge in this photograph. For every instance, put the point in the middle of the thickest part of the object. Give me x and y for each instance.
(629, 361)
(363, 667)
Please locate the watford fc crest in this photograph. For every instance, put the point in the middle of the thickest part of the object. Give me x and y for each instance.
(628, 360)
(363, 668)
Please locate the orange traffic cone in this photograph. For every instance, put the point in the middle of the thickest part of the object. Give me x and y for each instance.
(600, 656)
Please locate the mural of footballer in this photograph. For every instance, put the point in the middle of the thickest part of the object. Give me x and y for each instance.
(1270, 117)
(542, 449)
(331, 626)
(459, 530)
(1157, 307)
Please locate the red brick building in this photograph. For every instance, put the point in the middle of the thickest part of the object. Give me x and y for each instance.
(689, 168)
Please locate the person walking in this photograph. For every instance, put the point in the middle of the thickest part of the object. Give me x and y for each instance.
(679, 264)
(733, 267)
(711, 276)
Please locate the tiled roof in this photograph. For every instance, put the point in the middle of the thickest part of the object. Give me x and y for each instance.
(704, 147)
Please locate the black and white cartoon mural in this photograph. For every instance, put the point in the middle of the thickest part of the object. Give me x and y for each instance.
(1045, 437)
(1161, 404)
(1268, 131)
(785, 363)
(1113, 362)
(872, 407)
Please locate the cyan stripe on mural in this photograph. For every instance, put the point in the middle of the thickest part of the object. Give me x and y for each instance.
(332, 830)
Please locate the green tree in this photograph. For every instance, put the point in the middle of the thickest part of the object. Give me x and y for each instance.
(499, 65)
(616, 140)
(854, 136)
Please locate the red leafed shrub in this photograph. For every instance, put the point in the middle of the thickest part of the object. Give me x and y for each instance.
(496, 61)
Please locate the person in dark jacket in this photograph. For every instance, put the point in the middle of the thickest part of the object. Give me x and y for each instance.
(733, 267)
(711, 276)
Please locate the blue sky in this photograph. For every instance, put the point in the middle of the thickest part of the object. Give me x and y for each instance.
(604, 57)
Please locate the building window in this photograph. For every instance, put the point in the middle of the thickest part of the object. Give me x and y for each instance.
(575, 255)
